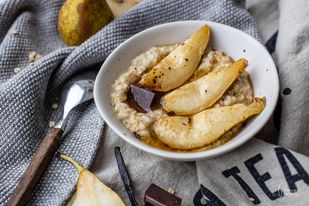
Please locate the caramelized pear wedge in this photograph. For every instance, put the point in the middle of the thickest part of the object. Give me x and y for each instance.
(179, 65)
(204, 92)
(189, 132)
(91, 190)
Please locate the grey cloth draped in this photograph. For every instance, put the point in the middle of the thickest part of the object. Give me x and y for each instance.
(250, 174)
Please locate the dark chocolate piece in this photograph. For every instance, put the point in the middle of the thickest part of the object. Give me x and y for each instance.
(125, 176)
(142, 99)
(142, 96)
(132, 103)
(156, 196)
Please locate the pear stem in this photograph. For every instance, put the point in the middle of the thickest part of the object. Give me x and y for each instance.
(72, 161)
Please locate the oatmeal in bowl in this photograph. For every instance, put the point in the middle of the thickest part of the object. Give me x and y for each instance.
(189, 82)
(190, 97)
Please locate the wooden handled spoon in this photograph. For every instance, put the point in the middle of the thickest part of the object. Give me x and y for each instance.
(75, 92)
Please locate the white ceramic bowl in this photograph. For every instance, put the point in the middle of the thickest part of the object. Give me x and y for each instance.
(233, 42)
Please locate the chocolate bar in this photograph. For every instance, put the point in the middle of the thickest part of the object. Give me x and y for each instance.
(156, 196)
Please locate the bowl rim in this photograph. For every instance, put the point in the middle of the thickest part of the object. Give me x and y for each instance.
(187, 156)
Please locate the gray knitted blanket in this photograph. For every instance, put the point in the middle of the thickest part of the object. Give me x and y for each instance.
(35, 64)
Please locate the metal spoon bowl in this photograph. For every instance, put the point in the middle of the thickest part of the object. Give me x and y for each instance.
(74, 93)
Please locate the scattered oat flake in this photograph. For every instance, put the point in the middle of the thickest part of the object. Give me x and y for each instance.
(13, 32)
(17, 69)
(51, 124)
(251, 199)
(170, 190)
(54, 106)
(34, 56)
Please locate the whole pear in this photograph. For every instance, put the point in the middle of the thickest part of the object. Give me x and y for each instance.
(80, 19)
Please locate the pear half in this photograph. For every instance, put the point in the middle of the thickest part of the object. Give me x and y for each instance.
(204, 92)
(91, 190)
(189, 132)
(179, 65)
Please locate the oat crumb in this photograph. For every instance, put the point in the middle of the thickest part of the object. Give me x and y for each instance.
(33, 57)
(54, 106)
(17, 69)
(13, 32)
(51, 124)
(170, 190)
(251, 199)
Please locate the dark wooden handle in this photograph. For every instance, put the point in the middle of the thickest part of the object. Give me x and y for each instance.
(37, 166)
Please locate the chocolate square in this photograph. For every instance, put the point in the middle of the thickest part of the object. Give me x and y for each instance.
(156, 196)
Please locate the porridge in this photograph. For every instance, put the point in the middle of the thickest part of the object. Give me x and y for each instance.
(141, 123)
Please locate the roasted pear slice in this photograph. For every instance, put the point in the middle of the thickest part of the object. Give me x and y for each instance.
(183, 132)
(91, 190)
(204, 92)
(179, 65)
